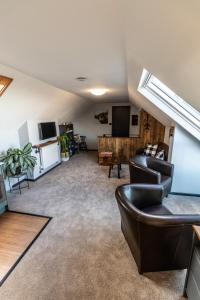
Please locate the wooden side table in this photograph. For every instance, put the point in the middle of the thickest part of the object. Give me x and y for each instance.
(192, 281)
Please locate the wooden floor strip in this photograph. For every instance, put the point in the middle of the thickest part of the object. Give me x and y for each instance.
(17, 232)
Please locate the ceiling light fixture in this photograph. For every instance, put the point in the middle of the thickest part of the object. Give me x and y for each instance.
(81, 78)
(98, 92)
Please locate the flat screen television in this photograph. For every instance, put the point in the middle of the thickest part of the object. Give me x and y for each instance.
(47, 130)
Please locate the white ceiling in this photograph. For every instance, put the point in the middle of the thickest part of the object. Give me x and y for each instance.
(108, 41)
(57, 41)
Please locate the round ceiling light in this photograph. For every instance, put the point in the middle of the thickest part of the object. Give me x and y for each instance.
(98, 92)
(81, 78)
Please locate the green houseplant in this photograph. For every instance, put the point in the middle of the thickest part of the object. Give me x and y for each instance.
(17, 160)
(64, 141)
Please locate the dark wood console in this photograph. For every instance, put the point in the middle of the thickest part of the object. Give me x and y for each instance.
(45, 144)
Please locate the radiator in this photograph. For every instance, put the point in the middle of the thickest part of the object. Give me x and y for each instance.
(49, 155)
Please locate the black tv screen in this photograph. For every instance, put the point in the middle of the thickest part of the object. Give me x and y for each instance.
(47, 130)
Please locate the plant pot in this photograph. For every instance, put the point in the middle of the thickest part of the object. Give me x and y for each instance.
(18, 171)
(64, 157)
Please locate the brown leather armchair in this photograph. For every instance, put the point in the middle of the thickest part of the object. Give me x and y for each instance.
(158, 239)
(147, 169)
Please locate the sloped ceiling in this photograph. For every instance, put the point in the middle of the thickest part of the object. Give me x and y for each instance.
(163, 37)
(30, 99)
(57, 41)
(109, 42)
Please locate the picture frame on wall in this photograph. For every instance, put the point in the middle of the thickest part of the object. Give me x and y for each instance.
(4, 83)
(134, 120)
(102, 117)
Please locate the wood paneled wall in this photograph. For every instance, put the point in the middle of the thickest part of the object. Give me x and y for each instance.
(121, 147)
(156, 132)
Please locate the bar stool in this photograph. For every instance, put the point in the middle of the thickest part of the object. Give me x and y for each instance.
(105, 158)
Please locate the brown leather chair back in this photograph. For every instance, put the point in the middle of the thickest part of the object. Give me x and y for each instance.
(161, 146)
(165, 147)
(149, 170)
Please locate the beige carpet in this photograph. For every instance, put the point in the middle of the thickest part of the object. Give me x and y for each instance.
(82, 253)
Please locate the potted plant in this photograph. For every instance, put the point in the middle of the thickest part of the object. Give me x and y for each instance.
(17, 161)
(64, 141)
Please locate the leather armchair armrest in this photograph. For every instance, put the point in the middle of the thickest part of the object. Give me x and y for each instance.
(170, 220)
(189, 219)
(142, 174)
(161, 166)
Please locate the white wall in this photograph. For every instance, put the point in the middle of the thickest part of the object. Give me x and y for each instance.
(33, 132)
(49, 156)
(30, 99)
(186, 158)
(87, 125)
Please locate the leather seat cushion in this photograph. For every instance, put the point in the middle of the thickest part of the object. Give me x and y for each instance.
(156, 210)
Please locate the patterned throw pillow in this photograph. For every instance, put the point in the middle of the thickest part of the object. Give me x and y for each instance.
(160, 154)
(150, 150)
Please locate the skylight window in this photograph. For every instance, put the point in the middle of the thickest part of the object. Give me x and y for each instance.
(163, 97)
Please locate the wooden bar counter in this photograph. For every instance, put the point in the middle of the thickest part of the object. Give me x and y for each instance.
(123, 147)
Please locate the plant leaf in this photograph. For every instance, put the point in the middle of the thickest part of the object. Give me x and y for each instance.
(27, 149)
